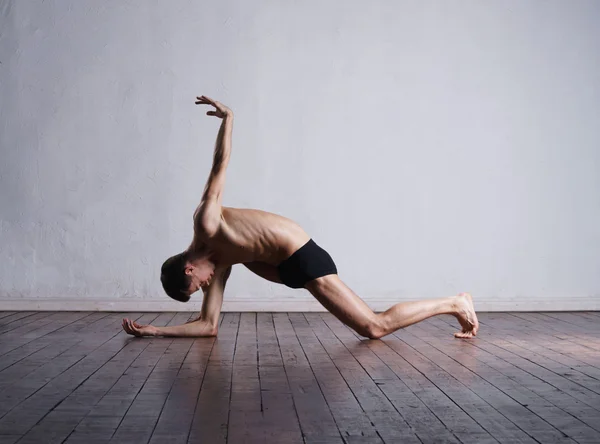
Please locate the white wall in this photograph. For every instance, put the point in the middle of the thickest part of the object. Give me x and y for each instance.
(431, 147)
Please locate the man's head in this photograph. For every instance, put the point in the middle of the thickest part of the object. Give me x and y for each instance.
(185, 273)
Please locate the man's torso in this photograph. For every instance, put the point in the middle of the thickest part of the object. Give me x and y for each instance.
(248, 235)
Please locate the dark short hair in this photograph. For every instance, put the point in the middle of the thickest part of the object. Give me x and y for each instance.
(174, 280)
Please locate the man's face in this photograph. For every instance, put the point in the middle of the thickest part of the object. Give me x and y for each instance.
(201, 272)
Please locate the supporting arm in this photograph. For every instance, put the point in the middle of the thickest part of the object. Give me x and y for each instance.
(207, 323)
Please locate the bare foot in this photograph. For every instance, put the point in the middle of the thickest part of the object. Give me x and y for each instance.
(465, 313)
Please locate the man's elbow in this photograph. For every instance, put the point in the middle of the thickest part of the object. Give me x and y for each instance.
(201, 329)
(211, 332)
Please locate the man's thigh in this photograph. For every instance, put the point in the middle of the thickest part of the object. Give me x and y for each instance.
(341, 301)
(264, 270)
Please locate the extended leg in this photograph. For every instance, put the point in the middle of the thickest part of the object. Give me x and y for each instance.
(342, 302)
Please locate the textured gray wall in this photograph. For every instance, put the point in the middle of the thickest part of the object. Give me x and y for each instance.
(432, 147)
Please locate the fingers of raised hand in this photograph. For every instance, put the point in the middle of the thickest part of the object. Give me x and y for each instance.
(204, 100)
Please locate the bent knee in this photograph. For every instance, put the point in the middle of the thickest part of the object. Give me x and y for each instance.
(373, 330)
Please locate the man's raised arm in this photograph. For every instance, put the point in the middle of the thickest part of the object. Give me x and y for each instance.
(208, 214)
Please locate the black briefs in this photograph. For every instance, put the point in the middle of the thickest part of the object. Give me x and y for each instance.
(308, 262)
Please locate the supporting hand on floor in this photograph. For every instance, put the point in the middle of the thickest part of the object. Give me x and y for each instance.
(135, 329)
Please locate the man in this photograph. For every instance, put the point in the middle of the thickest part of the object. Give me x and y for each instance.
(279, 250)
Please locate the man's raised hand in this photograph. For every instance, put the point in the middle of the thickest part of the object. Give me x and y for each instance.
(221, 111)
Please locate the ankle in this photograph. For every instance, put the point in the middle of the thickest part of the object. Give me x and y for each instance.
(453, 305)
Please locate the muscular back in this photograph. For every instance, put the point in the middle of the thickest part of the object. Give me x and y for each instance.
(247, 235)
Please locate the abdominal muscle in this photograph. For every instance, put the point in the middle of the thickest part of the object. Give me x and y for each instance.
(248, 235)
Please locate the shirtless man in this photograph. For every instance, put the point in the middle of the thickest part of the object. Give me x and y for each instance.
(279, 250)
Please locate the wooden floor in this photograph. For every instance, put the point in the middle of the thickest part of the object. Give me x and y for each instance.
(76, 377)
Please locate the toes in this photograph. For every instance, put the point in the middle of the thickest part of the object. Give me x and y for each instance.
(464, 334)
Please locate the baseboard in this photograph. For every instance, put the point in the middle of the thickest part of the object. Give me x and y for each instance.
(270, 305)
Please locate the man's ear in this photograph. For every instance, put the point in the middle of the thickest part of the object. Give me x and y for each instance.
(188, 270)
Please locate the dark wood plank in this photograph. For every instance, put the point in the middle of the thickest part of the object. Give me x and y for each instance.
(390, 424)
(25, 323)
(269, 354)
(551, 389)
(353, 422)
(398, 357)
(35, 330)
(45, 388)
(31, 349)
(512, 421)
(245, 409)
(548, 405)
(500, 327)
(314, 414)
(562, 330)
(488, 419)
(555, 327)
(32, 362)
(547, 359)
(106, 415)
(93, 430)
(565, 324)
(558, 381)
(280, 419)
(21, 390)
(176, 417)
(427, 426)
(590, 315)
(118, 400)
(69, 412)
(77, 378)
(573, 318)
(16, 316)
(142, 416)
(211, 417)
(515, 328)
